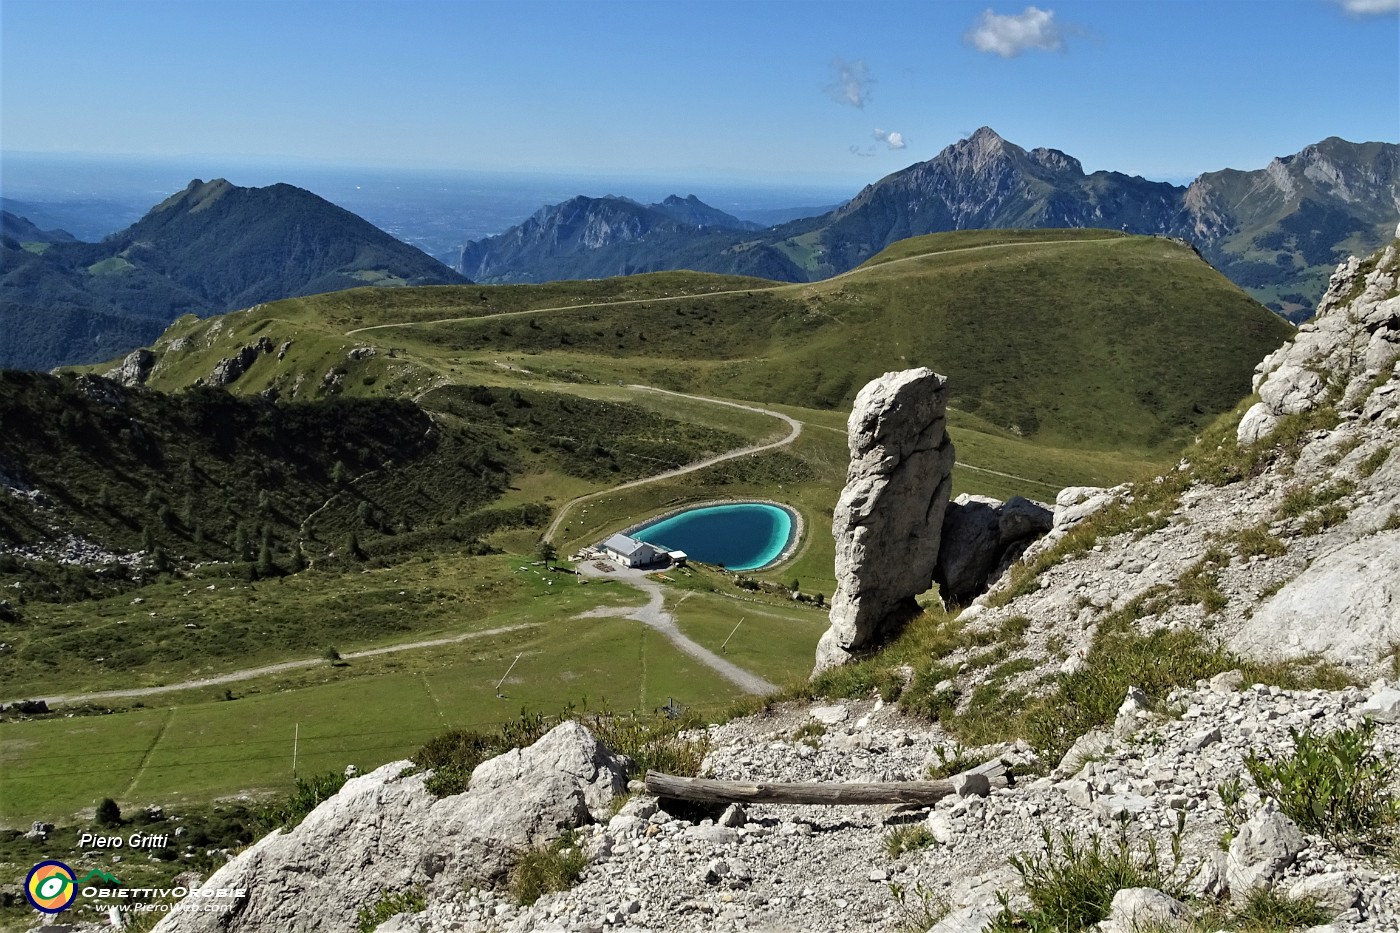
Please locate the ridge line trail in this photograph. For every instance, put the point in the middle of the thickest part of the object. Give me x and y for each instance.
(730, 291)
(278, 668)
(794, 431)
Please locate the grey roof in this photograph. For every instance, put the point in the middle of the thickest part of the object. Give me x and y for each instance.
(626, 547)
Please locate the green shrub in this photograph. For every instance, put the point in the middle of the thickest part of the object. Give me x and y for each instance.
(1071, 886)
(540, 871)
(910, 838)
(1336, 786)
(108, 813)
(412, 901)
(917, 913)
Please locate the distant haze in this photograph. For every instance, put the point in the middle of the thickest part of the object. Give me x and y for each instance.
(437, 211)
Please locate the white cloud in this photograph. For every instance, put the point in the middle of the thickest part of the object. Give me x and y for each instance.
(853, 82)
(1009, 36)
(891, 139)
(1369, 7)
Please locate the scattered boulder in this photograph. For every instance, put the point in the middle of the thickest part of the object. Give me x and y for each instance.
(230, 369)
(1264, 846)
(888, 521)
(385, 832)
(1135, 909)
(981, 538)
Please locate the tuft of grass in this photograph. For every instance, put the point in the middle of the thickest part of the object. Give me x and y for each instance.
(546, 869)
(1071, 886)
(1336, 786)
(918, 909)
(951, 761)
(1369, 465)
(412, 901)
(1265, 910)
(1301, 500)
(809, 733)
(1256, 541)
(909, 838)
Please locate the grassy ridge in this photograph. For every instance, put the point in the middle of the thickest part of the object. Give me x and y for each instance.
(1079, 338)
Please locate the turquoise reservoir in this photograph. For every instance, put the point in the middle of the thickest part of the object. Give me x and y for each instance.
(742, 536)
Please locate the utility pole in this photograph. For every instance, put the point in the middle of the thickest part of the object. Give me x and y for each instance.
(731, 635)
(499, 694)
(296, 736)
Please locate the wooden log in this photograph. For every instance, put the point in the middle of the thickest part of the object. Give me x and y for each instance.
(909, 793)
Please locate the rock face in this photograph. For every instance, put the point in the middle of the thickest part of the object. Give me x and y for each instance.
(889, 518)
(1346, 605)
(981, 538)
(385, 832)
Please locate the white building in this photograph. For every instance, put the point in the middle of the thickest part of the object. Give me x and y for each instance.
(629, 552)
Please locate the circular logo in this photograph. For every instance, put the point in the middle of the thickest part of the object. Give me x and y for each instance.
(51, 887)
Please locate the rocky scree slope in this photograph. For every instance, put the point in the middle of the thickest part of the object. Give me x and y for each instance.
(1239, 531)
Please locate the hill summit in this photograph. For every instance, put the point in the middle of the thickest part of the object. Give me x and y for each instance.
(210, 248)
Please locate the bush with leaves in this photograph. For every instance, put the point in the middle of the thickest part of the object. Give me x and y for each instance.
(1071, 886)
(1336, 786)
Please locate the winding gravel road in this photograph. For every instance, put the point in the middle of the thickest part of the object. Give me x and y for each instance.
(655, 615)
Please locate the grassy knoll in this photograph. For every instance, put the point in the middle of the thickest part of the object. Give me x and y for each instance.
(365, 714)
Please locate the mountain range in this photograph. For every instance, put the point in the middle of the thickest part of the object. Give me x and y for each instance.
(1277, 232)
(210, 248)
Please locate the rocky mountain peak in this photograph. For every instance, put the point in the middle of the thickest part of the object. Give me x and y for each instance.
(977, 153)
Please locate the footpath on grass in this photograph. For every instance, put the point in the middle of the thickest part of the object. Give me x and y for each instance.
(281, 667)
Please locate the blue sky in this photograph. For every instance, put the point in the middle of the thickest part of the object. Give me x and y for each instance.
(786, 91)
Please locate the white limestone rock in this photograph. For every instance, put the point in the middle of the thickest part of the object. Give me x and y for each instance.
(1345, 606)
(981, 538)
(889, 518)
(387, 832)
(1264, 846)
(1135, 909)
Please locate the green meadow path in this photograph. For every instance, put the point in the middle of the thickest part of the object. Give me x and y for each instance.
(281, 667)
(794, 431)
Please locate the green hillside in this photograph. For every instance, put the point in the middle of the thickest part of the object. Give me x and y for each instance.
(1080, 338)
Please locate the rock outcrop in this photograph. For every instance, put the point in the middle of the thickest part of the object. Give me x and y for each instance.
(1354, 337)
(134, 368)
(981, 538)
(384, 832)
(888, 521)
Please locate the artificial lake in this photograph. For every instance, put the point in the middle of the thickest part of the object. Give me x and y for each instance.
(740, 536)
